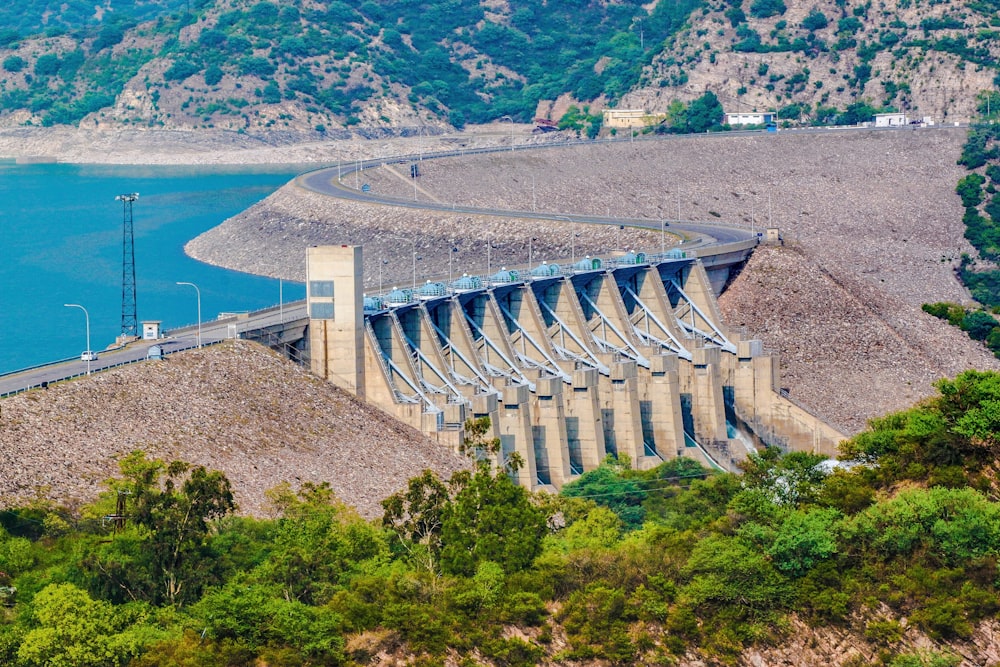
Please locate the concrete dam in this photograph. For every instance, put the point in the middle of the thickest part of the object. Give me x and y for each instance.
(627, 356)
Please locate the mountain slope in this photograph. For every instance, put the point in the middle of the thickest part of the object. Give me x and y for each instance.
(813, 60)
(314, 66)
(378, 67)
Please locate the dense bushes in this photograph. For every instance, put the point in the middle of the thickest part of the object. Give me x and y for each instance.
(982, 231)
(979, 324)
(638, 566)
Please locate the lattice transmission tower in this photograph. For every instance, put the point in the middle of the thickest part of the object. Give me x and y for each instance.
(130, 320)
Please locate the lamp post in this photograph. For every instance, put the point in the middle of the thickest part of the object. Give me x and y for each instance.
(86, 315)
(573, 238)
(451, 254)
(663, 236)
(511, 130)
(198, 293)
(531, 239)
(489, 258)
(380, 265)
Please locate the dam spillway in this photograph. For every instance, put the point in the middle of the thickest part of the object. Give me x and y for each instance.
(624, 357)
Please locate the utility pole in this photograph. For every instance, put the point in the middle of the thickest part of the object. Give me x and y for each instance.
(130, 319)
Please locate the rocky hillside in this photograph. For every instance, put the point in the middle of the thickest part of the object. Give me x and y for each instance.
(325, 67)
(811, 61)
(379, 68)
(237, 408)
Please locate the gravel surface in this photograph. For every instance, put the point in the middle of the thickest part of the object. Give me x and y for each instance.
(870, 219)
(235, 407)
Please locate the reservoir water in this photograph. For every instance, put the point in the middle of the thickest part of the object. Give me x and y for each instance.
(61, 242)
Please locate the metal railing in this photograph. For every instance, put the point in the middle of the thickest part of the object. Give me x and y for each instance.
(45, 383)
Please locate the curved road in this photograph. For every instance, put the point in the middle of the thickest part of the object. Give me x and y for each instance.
(328, 181)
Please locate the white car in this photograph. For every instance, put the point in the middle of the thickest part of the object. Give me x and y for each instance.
(88, 355)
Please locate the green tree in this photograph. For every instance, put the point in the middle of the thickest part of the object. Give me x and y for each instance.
(789, 479)
(47, 64)
(612, 485)
(763, 9)
(816, 20)
(979, 324)
(971, 402)
(73, 630)
(257, 616)
(164, 555)
(14, 64)
(970, 189)
(213, 75)
(490, 517)
(729, 572)
(317, 542)
(415, 517)
(704, 113)
(803, 539)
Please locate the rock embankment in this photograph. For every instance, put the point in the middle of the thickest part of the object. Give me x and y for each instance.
(872, 216)
(848, 351)
(400, 246)
(238, 408)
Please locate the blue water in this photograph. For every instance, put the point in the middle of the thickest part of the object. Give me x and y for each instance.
(61, 242)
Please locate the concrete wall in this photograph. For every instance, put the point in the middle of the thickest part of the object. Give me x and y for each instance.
(634, 361)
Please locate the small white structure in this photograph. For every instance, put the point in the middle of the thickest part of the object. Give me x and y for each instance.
(890, 119)
(151, 330)
(750, 118)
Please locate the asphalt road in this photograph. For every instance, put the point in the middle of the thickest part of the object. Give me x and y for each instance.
(329, 181)
(185, 338)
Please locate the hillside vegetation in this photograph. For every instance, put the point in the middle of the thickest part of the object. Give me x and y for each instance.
(832, 60)
(380, 66)
(895, 555)
(321, 65)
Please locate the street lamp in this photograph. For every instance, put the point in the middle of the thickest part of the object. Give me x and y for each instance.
(198, 293)
(89, 353)
(573, 239)
(380, 265)
(511, 130)
(530, 261)
(489, 257)
(451, 254)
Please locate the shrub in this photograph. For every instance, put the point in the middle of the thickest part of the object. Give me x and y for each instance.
(816, 20)
(213, 75)
(979, 324)
(970, 189)
(47, 65)
(180, 70)
(763, 9)
(14, 64)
